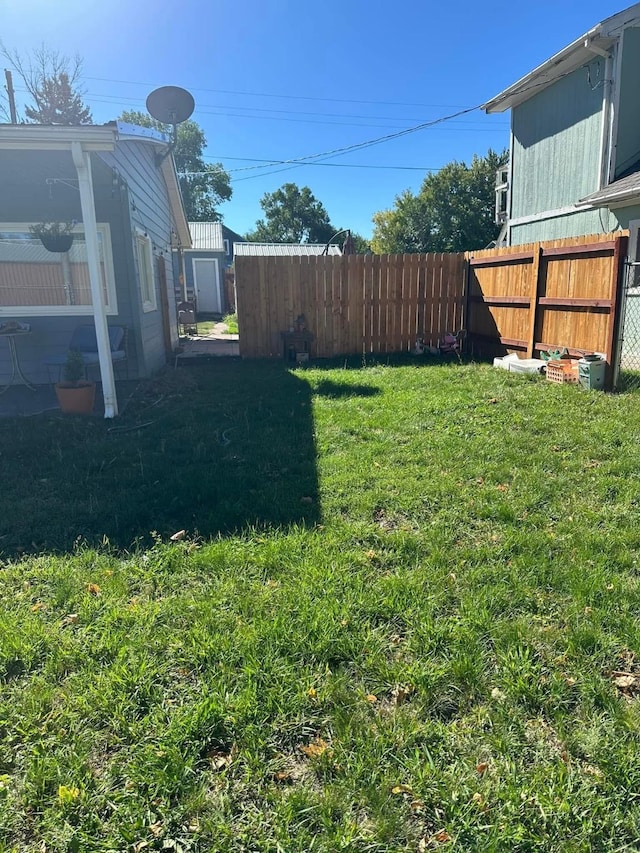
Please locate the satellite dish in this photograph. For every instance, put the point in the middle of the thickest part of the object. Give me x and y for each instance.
(170, 104)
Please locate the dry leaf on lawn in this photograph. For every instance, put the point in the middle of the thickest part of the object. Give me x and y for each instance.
(401, 789)
(316, 748)
(481, 767)
(178, 536)
(93, 589)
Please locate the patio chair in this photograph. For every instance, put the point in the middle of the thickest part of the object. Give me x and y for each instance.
(83, 340)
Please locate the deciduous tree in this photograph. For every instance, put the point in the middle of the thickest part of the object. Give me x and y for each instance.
(52, 80)
(452, 212)
(292, 215)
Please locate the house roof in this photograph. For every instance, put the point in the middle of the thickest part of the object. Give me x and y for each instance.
(283, 249)
(620, 193)
(597, 41)
(207, 236)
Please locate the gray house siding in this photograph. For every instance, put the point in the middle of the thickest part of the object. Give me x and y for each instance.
(41, 186)
(556, 146)
(149, 211)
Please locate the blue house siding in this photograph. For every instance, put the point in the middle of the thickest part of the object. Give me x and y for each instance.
(43, 186)
(149, 211)
(556, 145)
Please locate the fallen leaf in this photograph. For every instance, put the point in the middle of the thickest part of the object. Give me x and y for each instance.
(442, 837)
(140, 845)
(492, 400)
(496, 693)
(370, 554)
(178, 536)
(480, 801)
(70, 619)
(416, 806)
(93, 589)
(282, 776)
(624, 682)
(401, 789)
(312, 692)
(316, 748)
(401, 693)
(502, 487)
(39, 605)
(609, 586)
(481, 767)
(371, 698)
(376, 464)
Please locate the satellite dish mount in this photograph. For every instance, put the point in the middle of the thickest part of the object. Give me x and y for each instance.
(170, 105)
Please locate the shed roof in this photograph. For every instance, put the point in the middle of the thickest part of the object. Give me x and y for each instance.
(597, 41)
(620, 193)
(283, 249)
(207, 236)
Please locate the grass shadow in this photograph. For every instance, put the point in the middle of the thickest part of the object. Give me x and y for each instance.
(335, 390)
(213, 450)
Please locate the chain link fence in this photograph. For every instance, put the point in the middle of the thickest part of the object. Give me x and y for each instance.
(627, 376)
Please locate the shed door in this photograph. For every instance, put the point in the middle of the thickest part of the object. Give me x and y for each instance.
(206, 278)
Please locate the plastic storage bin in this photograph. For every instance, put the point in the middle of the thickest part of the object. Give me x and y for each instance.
(565, 370)
(591, 373)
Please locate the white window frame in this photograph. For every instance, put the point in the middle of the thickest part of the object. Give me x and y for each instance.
(67, 310)
(143, 244)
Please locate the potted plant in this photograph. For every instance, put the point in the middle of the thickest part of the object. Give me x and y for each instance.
(54, 236)
(75, 394)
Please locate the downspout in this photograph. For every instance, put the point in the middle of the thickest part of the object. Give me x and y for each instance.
(82, 162)
(605, 141)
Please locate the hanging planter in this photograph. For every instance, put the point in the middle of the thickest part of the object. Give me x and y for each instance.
(54, 236)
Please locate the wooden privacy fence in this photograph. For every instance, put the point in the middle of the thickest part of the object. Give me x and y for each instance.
(352, 304)
(542, 296)
(539, 296)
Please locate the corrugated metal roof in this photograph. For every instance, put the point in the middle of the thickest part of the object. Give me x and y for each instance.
(207, 236)
(283, 249)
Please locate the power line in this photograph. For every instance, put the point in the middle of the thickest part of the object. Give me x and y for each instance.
(219, 157)
(286, 97)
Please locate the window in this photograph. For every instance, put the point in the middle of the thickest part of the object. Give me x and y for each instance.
(227, 248)
(34, 281)
(144, 253)
(502, 194)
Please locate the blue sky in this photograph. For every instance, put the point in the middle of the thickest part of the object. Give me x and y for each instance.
(276, 79)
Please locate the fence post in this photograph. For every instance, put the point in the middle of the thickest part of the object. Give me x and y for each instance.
(535, 289)
(614, 331)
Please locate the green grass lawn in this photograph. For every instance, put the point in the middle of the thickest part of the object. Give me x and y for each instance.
(404, 616)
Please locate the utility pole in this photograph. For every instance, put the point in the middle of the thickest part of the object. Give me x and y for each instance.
(12, 96)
